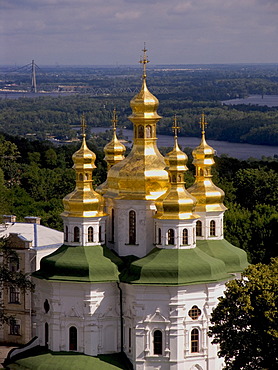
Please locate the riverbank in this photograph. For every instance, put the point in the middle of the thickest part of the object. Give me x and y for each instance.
(235, 150)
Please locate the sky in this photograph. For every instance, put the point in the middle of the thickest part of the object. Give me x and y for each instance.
(113, 32)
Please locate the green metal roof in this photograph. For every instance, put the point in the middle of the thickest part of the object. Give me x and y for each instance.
(234, 258)
(70, 361)
(80, 264)
(175, 267)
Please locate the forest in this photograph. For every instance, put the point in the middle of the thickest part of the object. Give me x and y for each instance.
(36, 175)
(184, 90)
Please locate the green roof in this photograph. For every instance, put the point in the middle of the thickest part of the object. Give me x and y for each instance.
(42, 360)
(81, 264)
(175, 267)
(234, 258)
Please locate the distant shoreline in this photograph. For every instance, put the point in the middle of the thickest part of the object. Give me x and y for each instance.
(261, 100)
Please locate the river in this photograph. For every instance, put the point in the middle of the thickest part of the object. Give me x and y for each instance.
(235, 150)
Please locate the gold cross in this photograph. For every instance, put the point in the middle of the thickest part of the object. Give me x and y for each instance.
(114, 120)
(203, 122)
(175, 127)
(83, 125)
(144, 60)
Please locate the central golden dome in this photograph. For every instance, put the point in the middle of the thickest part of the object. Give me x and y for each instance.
(142, 174)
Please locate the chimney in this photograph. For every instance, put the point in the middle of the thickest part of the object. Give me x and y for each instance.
(9, 218)
(32, 220)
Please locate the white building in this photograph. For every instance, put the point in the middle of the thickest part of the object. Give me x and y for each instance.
(31, 242)
(144, 260)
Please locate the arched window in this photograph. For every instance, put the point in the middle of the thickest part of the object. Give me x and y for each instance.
(66, 234)
(198, 228)
(76, 234)
(157, 342)
(212, 228)
(72, 338)
(99, 234)
(201, 172)
(132, 227)
(46, 335)
(141, 132)
(195, 340)
(184, 236)
(171, 237)
(159, 236)
(90, 234)
(80, 177)
(112, 225)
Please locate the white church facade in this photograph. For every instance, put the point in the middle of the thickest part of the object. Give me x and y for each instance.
(144, 259)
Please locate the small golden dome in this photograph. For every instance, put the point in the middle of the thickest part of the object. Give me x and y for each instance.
(83, 201)
(114, 153)
(176, 203)
(209, 196)
(114, 150)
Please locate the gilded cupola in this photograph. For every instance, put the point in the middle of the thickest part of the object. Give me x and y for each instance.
(176, 203)
(114, 150)
(141, 175)
(209, 196)
(83, 201)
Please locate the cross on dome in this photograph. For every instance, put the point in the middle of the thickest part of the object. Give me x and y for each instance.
(203, 123)
(114, 119)
(83, 125)
(144, 60)
(175, 127)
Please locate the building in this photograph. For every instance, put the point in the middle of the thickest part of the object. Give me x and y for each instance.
(144, 259)
(31, 242)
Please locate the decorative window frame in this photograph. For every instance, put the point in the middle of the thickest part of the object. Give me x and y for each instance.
(152, 323)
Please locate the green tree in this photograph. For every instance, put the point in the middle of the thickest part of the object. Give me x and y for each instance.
(245, 320)
(256, 186)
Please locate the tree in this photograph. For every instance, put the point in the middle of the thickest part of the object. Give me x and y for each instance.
(9, 277)
(245, 320)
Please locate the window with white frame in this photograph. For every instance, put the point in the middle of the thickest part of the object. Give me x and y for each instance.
(184, 236)
(212, 228)
(171, 237)
(157, 342)
(132, 227)
(90, 234)
(194, 340)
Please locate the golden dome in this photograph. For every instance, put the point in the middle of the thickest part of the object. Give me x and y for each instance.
(209, 196)
(176, 203)
(144, 104)
(83, 201)
(114, 153)
(141, 175)
(114, 150)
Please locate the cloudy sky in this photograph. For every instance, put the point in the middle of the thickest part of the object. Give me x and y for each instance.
(94, 32)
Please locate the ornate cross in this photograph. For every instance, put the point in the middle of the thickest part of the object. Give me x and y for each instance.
(175, 127)
(83, 125)
(114, 120)
(203, 122)
(144, 61)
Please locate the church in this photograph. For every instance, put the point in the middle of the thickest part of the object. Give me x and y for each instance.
(144, 259)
